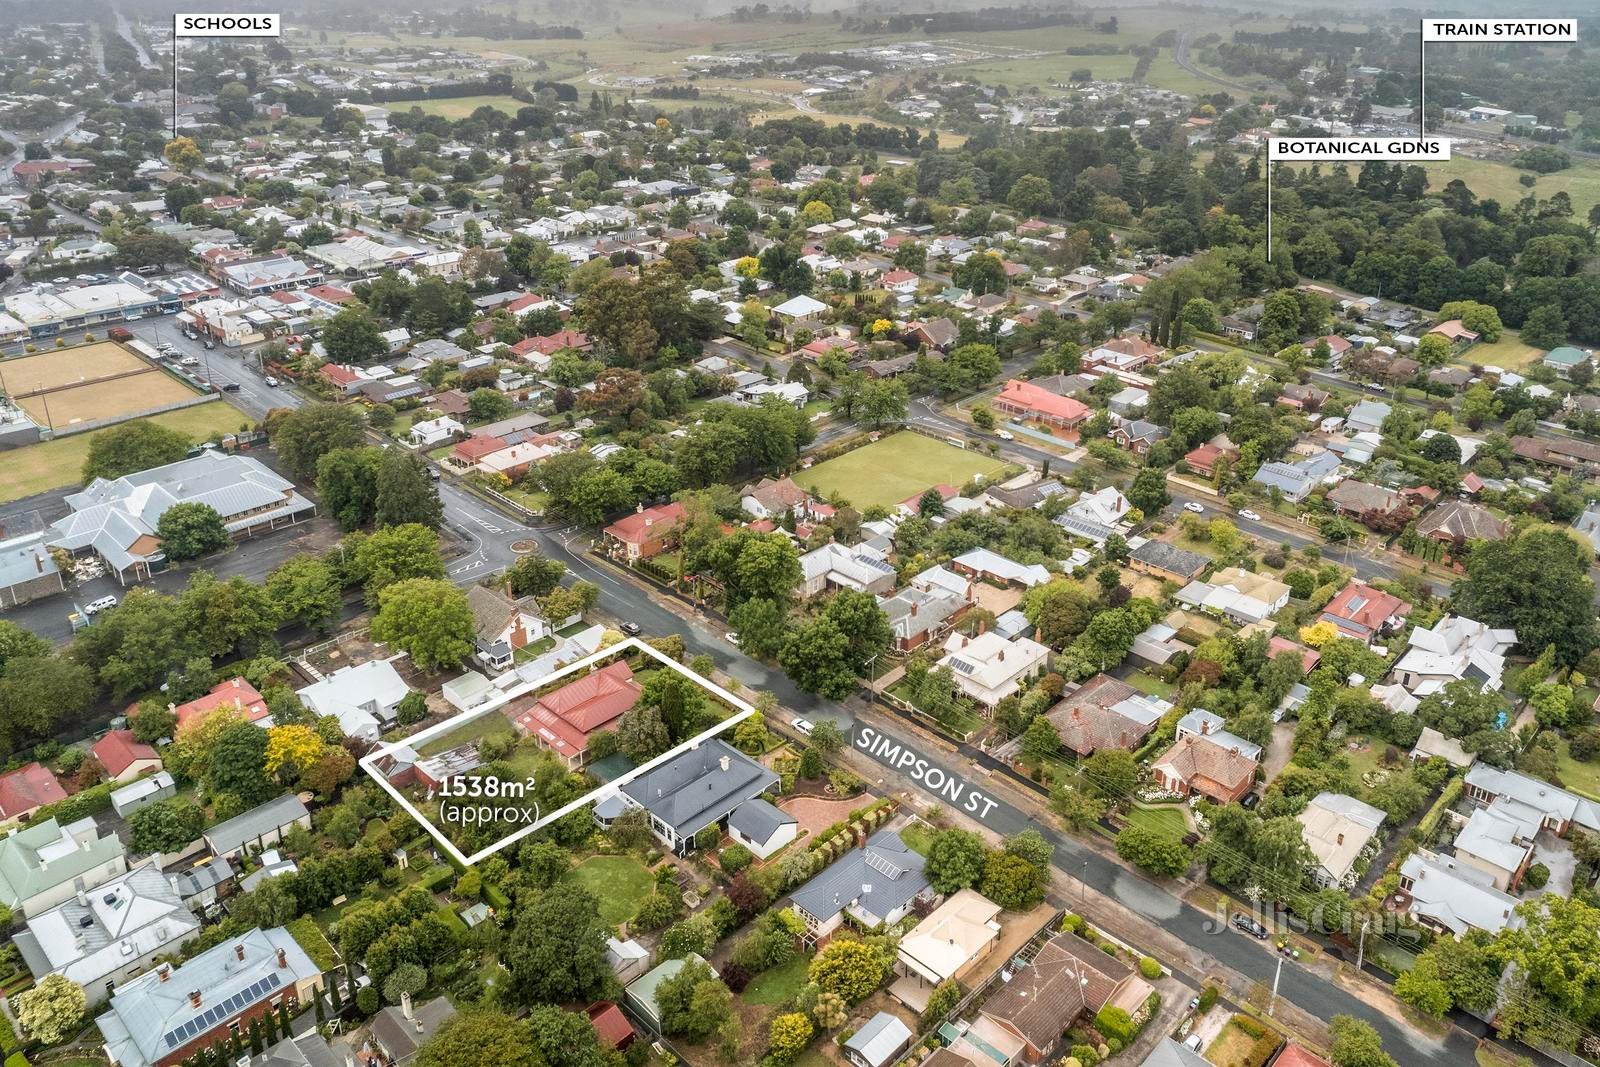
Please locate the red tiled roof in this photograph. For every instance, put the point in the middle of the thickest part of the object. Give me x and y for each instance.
(1031, 397)
(1365, 607)
(338, 375)
(1295, 1056)
(331, 293)
(1308, 656)
(235, 692)
(477, 446)
(646, 525)
(26, 788)
(565, 719)
(551, 343)
(117, 751)
(901, 275)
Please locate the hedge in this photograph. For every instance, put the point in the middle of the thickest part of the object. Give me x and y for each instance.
(1450, 794)
(496, 898)
(437, 876)
(8, 1036)
(16, 1059)
(1267, 1041)
(80, 805)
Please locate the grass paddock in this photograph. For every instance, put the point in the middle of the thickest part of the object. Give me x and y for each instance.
(896, 468)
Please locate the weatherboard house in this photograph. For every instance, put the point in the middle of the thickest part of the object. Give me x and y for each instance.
(700, 787)
(874, 885)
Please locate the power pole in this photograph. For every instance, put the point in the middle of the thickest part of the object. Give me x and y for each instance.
(1361, 946)
(1275, 976)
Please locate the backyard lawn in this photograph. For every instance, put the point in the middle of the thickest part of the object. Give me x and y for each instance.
(53, 464)
(1231, 1047)
(778, 985)
(489, 724)
(1508, 353)
(896, 468)
(619, 883)
(1578, 775)
(918, 837)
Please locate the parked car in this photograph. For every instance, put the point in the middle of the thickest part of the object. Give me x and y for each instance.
(189, 361)
(1005, 435)
(1251, 927)
(1195, 506)
(630, 628)
(1192, 1042)
(230, 387)
(1246, 513)
(733, 638)
(103, 603)
(803, 725)
(272, 383)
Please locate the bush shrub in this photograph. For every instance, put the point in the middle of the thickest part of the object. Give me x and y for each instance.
(1537, 876)
(1150, 968)
(1115, 1023)
(735, 858)
(16, 1059)
(1208, 997)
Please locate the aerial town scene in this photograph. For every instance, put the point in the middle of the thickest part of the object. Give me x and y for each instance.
(899, 533)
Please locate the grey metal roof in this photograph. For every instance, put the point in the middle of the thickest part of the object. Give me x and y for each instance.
(695, 789)
(22, 559)
(1171, 1054)
(1171, 558)
(257, 822)
(758, 820)
(881, 876)
(880, 1039)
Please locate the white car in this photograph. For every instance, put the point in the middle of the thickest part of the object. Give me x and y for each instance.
(1246, 513)
(189, 361)
(1195, 506)
(733, 638)
(804, 726)
(1005, 435)
(272, 383)
(99, 605)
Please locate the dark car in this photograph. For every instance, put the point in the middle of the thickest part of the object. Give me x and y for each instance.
(631, 629)
(230, 387)
(1251, 927)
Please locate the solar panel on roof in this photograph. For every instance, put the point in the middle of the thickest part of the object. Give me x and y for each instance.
(883, 865)
(961, 666)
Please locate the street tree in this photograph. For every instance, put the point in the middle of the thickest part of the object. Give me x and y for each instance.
(428, 618)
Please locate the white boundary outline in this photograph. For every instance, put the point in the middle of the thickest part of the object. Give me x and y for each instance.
(745, 710)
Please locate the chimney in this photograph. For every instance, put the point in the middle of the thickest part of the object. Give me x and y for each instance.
(964, 640)
(913, 609)
(724, 763)
(238, 950)
(38, 562)
(1002, 655)
(163, 972)
(283, 958)
(405, 1005)
(236, 682)
(1205, 726)
(194, 998)
(1339, 840)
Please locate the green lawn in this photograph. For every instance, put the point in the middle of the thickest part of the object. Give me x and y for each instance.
(1578, 775)
(458, 107)
(53, 464)
(918, 837)
(1167, 820)
(309, 936)
(1150, 685)
(619, 883)
(896, 468)
(778, 985)
(1508, 353)
(489, 724)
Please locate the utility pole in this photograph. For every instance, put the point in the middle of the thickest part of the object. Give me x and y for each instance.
(1084, 882)
(1361, 946)
(1275, 976)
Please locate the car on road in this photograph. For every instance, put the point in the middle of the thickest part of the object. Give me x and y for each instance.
(804, 726)
(230, 387)
(272, 383)
(1005, 435)
(210, 344)
(1195, 506)
(189, 361)
(1246, 513)
(733, 638)
(103, 603)
(1251, 927)
(630, 628)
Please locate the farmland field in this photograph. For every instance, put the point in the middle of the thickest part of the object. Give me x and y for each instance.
(53, 464)
(895, 468)
(1493, 180)
(458, 107)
